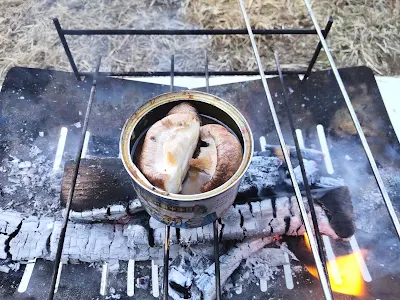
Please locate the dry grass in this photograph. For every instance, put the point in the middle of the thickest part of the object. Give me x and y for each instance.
(365, 32)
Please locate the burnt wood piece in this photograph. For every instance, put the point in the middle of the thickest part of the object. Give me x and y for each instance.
(101, 182)
(338, 208)
(307, 153)
(261, 178)
(269, 217)
(299, 247)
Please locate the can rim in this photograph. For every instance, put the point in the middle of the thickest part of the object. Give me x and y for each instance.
(130, 124)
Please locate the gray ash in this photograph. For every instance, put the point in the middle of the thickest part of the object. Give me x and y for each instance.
(263, 173)
(30, 186)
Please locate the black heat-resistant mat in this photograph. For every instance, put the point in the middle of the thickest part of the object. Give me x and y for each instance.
(34, 101)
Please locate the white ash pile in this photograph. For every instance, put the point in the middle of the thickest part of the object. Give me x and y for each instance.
(192, 273)
(9, 224)
(32, 185)
(105, 241)
(113, 212)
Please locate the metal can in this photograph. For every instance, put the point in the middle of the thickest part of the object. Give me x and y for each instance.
(185, 211)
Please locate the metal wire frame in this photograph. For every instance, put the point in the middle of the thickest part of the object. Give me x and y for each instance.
(63, 32)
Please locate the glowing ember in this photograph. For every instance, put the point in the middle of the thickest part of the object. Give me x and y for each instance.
(352, 282)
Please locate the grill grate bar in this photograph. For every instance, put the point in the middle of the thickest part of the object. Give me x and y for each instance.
(192, 73)
(167, 227)
(215, 223)
(184, 31)
(166, 260)
(356, 122)
(73, 183)
(314, 246)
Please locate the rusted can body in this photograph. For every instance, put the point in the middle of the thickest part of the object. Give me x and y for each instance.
(185, 211)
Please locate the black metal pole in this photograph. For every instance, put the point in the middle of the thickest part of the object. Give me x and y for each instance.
(215, 223)
(303, 172)
(184, 31)
(318, 49)
(167, 227)
(166, 261)
(216, 261)
(172, 73)
(61, 34)
(73, 182)
(192, 74)
(206, 73)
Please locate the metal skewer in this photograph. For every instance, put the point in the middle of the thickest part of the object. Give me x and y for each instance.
(73, 182)
(303, 170)
(320, 268)
(356, 122)
(215, 223)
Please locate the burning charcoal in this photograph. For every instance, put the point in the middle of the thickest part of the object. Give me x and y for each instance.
(159, 232)
(232, 229)
(338, 207)
(329, 182)
(247, 190)
(180, 277)
(137, 235)
(228, 264)
(9, 221)
(135, 206)
(24, 165)
(300, 249)
(3, 244)
(263, 174)
(312, 172)
(31, 240)
(310, 154)
(119, 248)
(143, 282)
(274, 216)
(94, 242)
(188, 236)
(4, 269)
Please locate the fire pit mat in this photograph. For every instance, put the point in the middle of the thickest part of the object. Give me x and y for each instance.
(42, 101)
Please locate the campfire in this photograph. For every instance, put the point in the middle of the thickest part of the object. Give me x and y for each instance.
(344, 273)
(318, 186)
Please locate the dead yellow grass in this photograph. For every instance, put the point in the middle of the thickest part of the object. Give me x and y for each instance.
(365, 32)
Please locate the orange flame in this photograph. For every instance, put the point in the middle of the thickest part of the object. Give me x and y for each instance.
(350, 278)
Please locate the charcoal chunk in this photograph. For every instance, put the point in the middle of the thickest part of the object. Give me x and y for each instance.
(339, 209)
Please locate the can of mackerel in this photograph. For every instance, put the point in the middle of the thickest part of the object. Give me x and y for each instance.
(182, 210)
